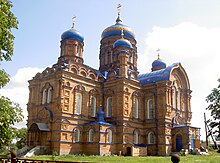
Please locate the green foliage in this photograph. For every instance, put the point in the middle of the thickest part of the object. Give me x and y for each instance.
(4, 78)
(214, 106)
(9, 114)
(8, 22)
(21, 136)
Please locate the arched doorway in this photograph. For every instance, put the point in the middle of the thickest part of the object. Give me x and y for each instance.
(38, 134)
(179, 144)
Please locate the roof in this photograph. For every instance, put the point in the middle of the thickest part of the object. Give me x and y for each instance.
(72, 34)
(122, 43)
(116, 30)
(156, 76)
(39, 126)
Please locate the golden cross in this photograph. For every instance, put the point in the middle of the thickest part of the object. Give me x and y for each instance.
(74, 20)
(119, 8)
(158, 53)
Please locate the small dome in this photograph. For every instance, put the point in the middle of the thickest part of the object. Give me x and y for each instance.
(115, 30)
(158, 64)
(72, 34)
(123, 43)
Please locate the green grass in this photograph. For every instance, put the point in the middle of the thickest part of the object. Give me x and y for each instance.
(214, 157)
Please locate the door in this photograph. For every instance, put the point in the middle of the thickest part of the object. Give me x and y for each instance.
(128, 151)
(178, 142)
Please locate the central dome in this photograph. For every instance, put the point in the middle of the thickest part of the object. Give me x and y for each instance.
(115, 30)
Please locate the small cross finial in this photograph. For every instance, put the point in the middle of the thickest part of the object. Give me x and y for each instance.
(74, 20)
(119, 9)
(158, 53)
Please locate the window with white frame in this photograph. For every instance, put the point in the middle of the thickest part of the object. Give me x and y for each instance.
(44, 97)
(109, 136)
(135, 107)
(136, 135)
(91, 135)
(78, 106)
(150, 110)
(49, 95)
(93, 106)
(76, 135)
(150, 138)
(109, 107)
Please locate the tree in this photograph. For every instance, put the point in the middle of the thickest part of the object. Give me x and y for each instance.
(8, 22)
(10, 112)
(214, 106)
(21, 137)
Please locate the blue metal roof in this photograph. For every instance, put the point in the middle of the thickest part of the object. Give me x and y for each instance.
(155, 76)
(72, 34)
(123, 43)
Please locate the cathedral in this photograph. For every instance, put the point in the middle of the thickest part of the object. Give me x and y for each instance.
(76, 109)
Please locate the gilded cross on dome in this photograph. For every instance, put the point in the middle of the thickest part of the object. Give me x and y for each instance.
(74, 20)
(119, 9)
(158, 53)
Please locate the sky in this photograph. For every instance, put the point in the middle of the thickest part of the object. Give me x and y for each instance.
(185, 31)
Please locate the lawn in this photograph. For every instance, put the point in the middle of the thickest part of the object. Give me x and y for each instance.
(213, 157)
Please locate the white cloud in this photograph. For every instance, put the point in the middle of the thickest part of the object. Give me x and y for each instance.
(197, 49)
(17, 88)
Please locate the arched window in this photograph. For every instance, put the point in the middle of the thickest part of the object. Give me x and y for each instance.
(174, 97)
(49, 95)
(136, 135)
(109, 107)
(93, 106)
(178, 99)
(135, 107)
(76, 135)
(78, 107)
(109, 136)
(150, 111)
(44, 97)
(91, 135)
(150, 138)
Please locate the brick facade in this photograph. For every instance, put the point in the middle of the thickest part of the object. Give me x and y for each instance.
(141, 116)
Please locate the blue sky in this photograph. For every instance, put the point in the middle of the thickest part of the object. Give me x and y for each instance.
(186, 31)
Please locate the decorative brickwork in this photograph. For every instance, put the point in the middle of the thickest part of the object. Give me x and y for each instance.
(76, 109)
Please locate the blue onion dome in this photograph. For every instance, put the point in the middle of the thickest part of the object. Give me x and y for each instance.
(122, 43)
(72, 34)
(158, 64)
(115, 30)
